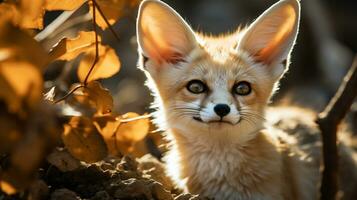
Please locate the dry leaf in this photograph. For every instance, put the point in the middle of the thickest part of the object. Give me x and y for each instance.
(21, 62)
(8, 188)
(96, 96)
(113, 10)
(26, 14)
(21, 85)
(63, 4)
(67, 49)
(122, 134)
(32, 13)
(107, 65)
(132, 129)
(70, 48)
(83, 141)
(107, 126)
(20, 46)
(9, 12)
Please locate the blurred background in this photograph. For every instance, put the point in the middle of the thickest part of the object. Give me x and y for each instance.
(325, 48)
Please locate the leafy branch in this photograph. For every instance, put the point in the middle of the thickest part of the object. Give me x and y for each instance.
(95, 7)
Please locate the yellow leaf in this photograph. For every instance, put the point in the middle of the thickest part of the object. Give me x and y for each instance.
(132, 129)
(96, 96)
(32, 13)
(107, 65)
(122, 134)
(107, 126)
(92, 96)
(9, 12)
(26, 14)
(63, 4)
(83, 141)
(113, 10)
(70, 48)
(21, 84)
(21, 62)
(20, 46)
(7, 188)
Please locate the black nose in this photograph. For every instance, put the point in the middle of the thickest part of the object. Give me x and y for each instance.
(222, 109)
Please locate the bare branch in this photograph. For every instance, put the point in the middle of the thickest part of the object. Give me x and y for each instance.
(96, 45)
(106, 20)
(135, 118)
(68, 94)
(328, 122)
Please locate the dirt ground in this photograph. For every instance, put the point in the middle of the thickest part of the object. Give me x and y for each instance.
(114, 178)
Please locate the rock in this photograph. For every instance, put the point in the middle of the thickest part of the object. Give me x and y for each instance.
(62, 194)
(38, 190)
(190, 197)
(154, 169)
(101, 195)
(63, 160)
(159, 192)
(127, 163)
(141, 189)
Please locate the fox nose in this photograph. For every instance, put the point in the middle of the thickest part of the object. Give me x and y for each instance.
(222, 109)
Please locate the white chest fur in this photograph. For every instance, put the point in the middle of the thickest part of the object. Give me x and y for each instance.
(226, 171)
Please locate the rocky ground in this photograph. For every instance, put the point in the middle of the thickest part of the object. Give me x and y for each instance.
(114, 178)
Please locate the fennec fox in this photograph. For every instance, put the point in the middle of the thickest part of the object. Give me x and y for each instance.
(212, 94)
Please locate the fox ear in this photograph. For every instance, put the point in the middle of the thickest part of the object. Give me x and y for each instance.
(163, 35)
(270, 38)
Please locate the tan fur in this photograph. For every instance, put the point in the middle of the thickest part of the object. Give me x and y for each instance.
(245, 158)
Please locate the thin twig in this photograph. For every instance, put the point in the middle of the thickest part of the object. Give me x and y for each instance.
(106, 20)
(68, 94)
(135, 118)
(328, 122)
(96, 46)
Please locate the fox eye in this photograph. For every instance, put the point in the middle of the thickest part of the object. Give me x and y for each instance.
(242, 88)
(196, 86)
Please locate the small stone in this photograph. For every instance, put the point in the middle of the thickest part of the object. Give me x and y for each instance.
(101, 195)
(66, 194)
(38, 190)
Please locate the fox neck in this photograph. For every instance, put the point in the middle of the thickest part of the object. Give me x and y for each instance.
(198, 167)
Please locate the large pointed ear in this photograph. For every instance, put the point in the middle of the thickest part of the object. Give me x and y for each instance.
(270, 38)
(163, 35)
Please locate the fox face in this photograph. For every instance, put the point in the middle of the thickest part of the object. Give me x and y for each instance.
(214, 86)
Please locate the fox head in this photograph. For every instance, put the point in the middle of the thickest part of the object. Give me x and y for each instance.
(215, 87)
